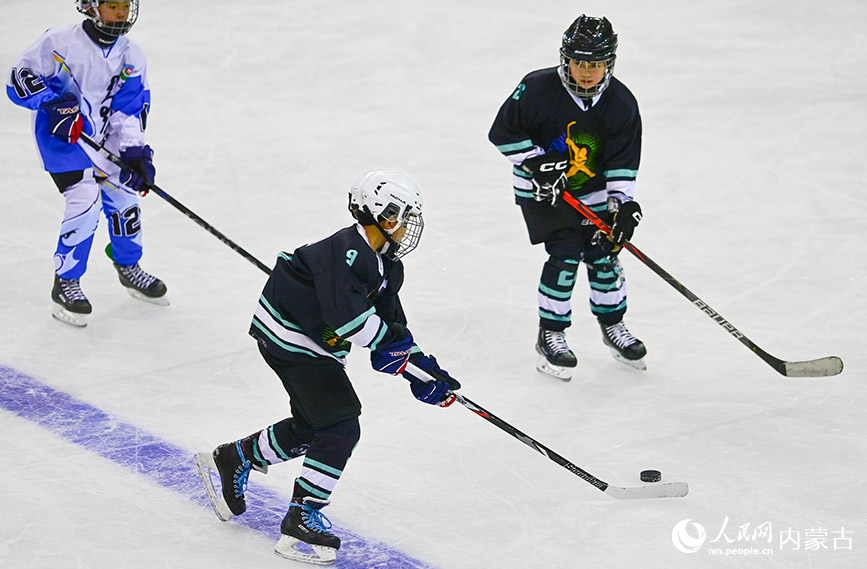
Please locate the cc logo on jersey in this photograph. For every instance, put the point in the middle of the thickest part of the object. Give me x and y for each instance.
(554, 166)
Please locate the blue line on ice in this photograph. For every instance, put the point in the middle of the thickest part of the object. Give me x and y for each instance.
(164, 463)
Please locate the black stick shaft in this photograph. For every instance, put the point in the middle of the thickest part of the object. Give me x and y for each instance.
(825, 366)
(180, 207)
(531, 442)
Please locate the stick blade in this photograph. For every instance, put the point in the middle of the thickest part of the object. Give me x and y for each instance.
(822, 367)
(655, 490)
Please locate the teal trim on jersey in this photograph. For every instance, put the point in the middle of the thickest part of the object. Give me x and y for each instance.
(274, 445)
(555, 293)
(606, 274)
(277, 316)
(621, 173)
(356, 323)
(515, 146)
(284, 345)
(596, 309)
(323, 467)
(285, 256)
(312, 489)
(551, 316)
(521, 173)
(382, 330)
(256, 454)
(525, 194)
(415, 350)
(603, 287)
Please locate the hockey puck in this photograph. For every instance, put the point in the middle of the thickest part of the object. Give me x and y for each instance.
(651, 476)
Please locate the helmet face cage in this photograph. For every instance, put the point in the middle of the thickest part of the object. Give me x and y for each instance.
(413, 224)
(590, 40)
(90, 8)
(384, 195)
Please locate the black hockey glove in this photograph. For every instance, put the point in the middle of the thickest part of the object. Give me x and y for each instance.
(436, 391)
(549, 175)
(64, 118)
(141, 173)
(627, 216)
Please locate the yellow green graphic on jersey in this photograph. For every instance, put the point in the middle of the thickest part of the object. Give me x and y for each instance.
(584, 153)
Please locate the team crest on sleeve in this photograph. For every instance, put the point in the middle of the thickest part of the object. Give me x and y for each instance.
(127, 71)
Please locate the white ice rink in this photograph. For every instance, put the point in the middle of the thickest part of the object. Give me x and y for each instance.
(753, 188)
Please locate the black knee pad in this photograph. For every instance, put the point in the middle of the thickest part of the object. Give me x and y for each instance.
(337, 441)
(563, 265)
(349, 429)
(565, 244)
(64, 180)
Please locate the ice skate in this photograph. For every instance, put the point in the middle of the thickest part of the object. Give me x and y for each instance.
(141, 285)
(228, 462)
(304, 526)
(70, 304)
(625, 348)
(555, 357)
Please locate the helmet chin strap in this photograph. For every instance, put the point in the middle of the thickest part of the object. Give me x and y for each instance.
(366, 218)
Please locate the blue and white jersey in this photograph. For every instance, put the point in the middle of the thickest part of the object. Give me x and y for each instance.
(110, 84)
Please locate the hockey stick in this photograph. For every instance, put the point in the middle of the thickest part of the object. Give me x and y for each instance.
(654, 490)
(821, 367)
(179, 206)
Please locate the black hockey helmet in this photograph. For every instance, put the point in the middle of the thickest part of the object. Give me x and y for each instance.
(113, 29)
(592, 40)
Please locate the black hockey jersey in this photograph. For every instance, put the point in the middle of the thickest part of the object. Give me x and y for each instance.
(328, 295)
(603, 142)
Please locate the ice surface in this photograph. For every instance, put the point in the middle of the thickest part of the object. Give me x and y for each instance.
(752, 184)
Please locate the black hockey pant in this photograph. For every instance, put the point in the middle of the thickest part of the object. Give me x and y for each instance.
(324, 425)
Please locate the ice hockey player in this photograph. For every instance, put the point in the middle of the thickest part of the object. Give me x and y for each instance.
(575, 128)
(317, 303)
(91, 78)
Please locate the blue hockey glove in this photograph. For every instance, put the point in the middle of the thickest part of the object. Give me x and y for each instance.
(549, 175)
(436, 391)
(141, 172)
(393, 357)
(64, 118)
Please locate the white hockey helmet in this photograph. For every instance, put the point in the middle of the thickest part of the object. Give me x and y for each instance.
(90, 8)
(386, 195)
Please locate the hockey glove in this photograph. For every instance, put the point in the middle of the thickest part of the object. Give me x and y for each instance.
(600, 248)
(549, 175)
(436, 391)
(64, 118)
(392, 358)
(141, 172)
(626, 219)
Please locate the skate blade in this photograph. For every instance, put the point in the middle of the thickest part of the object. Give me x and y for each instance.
(159, 301)
(635, 364)
(71, 318)
(205, 465)
(321, 555)
(549, 369)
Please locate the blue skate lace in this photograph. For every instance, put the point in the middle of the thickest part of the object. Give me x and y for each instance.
(313, 518)
(242, 473)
